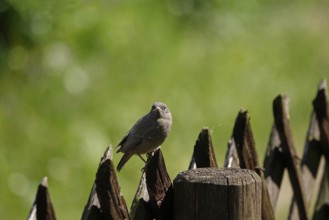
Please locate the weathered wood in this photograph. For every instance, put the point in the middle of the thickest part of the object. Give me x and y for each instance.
(92, 210)
(105, 201)
(211, 193)
(231, 156)
(159, 186)
(274, 166)
(203, 154)
(140, 208)
(42, 207)
(321, 110)
(153, 199)
(322, 114)
(112, 203)
(281, 117)
(309, 165)
(245, 145)
(322, 204)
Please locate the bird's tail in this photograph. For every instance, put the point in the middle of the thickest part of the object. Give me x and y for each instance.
(123, 161)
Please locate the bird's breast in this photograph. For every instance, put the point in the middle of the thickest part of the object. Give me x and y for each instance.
(164, 125)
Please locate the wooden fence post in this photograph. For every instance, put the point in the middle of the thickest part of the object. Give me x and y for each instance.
(153, 199)
(321, 211)
(244, 142)
(274, 166)
(140, 208)
(105, 200)
(321, 109)
(159, 186)
(310, 164)
(211, 193)
(42, 207)
(281, 118)
(203, 153)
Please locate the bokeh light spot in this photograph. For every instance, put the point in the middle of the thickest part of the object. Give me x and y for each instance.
(57, 56)
(76, 80)
(18, 183)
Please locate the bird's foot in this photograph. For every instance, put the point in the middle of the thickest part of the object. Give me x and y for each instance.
(144, 168)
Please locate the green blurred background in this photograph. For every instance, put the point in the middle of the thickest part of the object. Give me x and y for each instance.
(75, 75)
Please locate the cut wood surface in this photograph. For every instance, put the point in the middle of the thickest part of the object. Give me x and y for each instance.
(211, 193)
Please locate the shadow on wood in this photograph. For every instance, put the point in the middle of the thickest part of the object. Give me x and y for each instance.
(274, 166)
(321, 110)
(281, 118)
(312, 155)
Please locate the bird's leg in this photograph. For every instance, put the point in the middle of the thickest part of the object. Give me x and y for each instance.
(145, 165)
(140, 156)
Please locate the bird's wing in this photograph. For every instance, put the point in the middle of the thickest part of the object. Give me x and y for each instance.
(127, 141)
(124, 139)
(143, 129)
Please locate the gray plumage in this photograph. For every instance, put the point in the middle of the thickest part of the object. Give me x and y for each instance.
(148, 133)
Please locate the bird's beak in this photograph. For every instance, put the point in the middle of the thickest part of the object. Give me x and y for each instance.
(159, 109)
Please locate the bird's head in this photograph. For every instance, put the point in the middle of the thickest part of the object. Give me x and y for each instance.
(161, 110)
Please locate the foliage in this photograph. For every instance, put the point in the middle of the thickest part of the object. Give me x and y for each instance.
(75, 76)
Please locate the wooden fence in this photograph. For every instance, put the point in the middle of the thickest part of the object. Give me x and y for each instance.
(243, 189)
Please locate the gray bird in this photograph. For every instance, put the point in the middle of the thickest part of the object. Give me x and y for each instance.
(148, 133)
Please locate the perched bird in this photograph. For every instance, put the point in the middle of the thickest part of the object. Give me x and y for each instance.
(148, 133)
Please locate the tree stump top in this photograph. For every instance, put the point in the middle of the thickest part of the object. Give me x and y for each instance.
(222, 176)
(211, 193)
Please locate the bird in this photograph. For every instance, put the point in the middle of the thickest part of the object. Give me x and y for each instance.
(147, 134)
